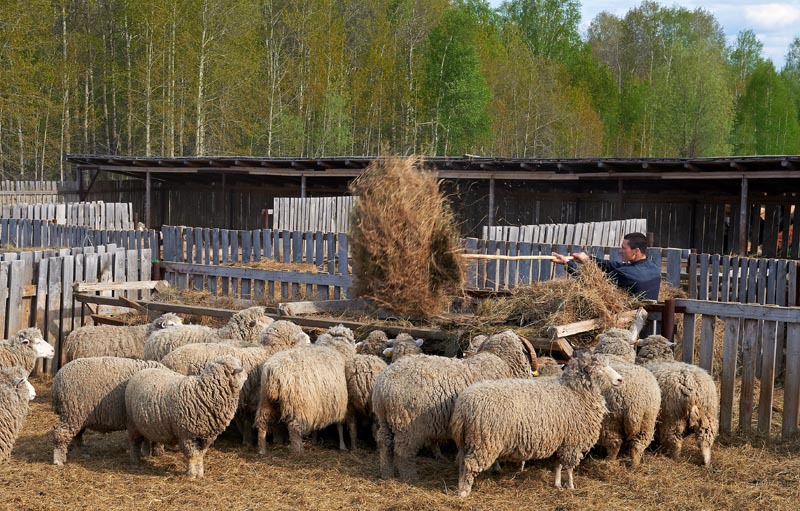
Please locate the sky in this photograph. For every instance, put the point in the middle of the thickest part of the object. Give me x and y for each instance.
(775, 23)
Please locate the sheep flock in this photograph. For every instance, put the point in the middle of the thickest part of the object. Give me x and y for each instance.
(177, 386)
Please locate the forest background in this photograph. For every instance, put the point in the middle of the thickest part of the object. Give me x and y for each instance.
(311, 78)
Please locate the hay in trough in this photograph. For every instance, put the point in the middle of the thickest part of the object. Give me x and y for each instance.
(588, 295)
(403, 239)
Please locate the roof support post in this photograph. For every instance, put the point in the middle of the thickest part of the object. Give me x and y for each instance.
(302, 186)
(620, 200)
(148, 203)
(743, 219)
(491, 202)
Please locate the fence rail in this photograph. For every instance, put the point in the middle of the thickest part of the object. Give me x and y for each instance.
(325, 214)
(13, 192)
(601, 234)
(95, 215)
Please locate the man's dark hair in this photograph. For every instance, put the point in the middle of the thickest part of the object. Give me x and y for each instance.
(637, 240)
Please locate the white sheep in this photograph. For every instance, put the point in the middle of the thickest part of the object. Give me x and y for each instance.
(168, 408)
(306, 388)
(633, 407)
(15, 393)
(689, 401)
(244, 327)
(192, 359)
(114, 341)
(374, 344)
(89, 393)
(413, 398)
(23, 348)
(522, 419)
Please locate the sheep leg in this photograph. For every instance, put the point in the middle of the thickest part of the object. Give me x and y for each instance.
(340, 430)
(314, 437)
(568, 458)
(385, 440)
(62, 437)
(570, 481)
(671, 440)
(245, 427)
(436, 449)
(194, 458)
(405, 452)
(557, 473)
(351, 428)
(612, 441)
(135, 440)
(295, 438)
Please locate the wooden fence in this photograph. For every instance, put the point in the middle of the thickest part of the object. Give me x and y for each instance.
(750, 351)
(95, 215)
(36, 287)
(14, 192)
(600, 234)
(203, 259)
(17, 234)
(325, 214)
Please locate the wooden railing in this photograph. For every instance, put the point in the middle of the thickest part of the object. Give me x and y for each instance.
(600, 234)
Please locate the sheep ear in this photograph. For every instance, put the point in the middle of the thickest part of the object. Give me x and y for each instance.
(238, 370)
(419, 342)
(18, 382)
(388, 352)
(359, 346)
(252, 323)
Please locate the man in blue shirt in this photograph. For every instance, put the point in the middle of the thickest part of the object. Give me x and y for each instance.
(636, 274)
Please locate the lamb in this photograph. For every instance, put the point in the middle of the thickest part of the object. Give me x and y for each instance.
(168, 408)
(246, 326)
(374, 344)
(306, 388)
(632, 408)
(15, 393)
(114, 341)
(548, 367)
(413, 398)
(23, 348)
(362, 373)
(689, 402)
(192, 359)
(89, 393)
(522, 419)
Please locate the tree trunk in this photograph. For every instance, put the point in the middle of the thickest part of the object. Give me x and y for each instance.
(128, 37)
(200, 148)
(65, 127)
(148, 92)
(21, 146)
(105, 99)
(171, 86)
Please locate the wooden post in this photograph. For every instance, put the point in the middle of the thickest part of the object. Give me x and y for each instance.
(491, 202)
(224, 203)
(147, 201)
(302, 186)
(668, 319)
(743, 219)
(620, 200)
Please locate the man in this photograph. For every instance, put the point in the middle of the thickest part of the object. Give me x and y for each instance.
(636, 274)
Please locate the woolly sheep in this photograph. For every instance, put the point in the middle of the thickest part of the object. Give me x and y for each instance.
(246, 326)
(89, 393)
(306, 388)
(374, 344)
(15, 393)
(413, 398)
(114, 341)
(403, 346)
(522, 419)
(191, 359)
(689, 402)
(169, 408)
(23, 348)
(474, 345)
(633, 407)
(360, 375)
(548, 367)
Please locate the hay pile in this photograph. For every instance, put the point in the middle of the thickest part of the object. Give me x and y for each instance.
(588, 295)
(403, 239)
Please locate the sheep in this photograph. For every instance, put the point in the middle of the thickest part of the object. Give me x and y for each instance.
(114, 341)
(23, 348)
(246, 326)
(191, 411)
(413, 398)
(374, 344)
(522, 419)
(402, 346)
(632, 408)
(474, 345)
(360, 375)
(306, 388)
(549, 367)
(191, 359)
(15, 393)
(689, 402)
(89, 393)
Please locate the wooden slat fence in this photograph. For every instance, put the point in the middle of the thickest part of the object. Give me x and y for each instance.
(325, 214)
(743, 359)
(200, 258)
(36, 288)
(502, 275)
(14, 192)
(94, 215)
(600, 234)
(16, 234)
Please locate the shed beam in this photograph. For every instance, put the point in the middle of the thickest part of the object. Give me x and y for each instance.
(491, 202)
(743, 218)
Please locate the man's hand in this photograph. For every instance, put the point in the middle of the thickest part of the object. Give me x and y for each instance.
(581, 257)
(560, 259)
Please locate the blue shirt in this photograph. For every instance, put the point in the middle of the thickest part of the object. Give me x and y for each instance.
(640, 278)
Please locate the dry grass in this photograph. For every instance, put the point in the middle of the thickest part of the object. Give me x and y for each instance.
(403, 239)
(742, 475)
(272, 265)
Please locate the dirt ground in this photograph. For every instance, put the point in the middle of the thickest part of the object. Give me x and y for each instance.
(751, 475)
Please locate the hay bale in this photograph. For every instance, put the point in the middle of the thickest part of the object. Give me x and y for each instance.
(403, 238)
